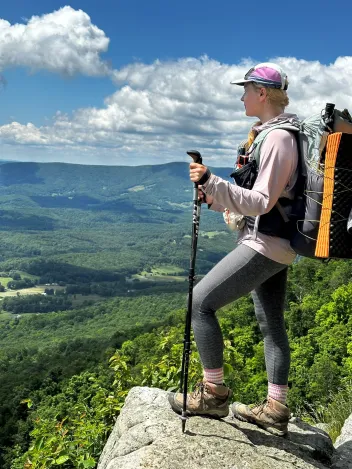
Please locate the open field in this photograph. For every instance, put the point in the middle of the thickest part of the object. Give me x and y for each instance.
(5, 280)
(167, 269)
(180, 205)
(209, 234)
(77, 300)
(159, 278)
(136, 188)
(30, 276)
(161, 273)
(164, 269)
(5, 316)
(212, 234)
(28, 291)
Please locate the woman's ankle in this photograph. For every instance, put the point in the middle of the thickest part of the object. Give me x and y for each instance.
(214, 375)
(278, 392)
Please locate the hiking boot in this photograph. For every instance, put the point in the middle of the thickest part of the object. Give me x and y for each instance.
(270, 415)
(206, 399)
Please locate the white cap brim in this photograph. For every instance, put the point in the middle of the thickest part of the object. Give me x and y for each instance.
(240, 82)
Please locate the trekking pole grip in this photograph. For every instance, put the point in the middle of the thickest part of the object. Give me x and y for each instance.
(197, 157)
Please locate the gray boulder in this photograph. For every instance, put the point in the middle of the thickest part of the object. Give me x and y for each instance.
(147, 434)
(343, 455)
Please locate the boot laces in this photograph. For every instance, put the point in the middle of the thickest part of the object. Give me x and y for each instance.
(259, 405)
(199, 388)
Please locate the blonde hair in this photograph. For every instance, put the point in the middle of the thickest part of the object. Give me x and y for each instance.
(251, 136)
(275, 97)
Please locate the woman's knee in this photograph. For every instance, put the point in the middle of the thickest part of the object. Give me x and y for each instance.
(201, 303)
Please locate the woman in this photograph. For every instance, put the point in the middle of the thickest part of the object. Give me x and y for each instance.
(258, 264)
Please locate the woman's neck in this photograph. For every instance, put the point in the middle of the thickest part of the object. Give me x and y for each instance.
(270, 113)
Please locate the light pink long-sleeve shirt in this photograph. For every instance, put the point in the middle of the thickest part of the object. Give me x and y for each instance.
(277, 174)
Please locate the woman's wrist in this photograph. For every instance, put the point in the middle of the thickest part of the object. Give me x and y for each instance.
(205, 177)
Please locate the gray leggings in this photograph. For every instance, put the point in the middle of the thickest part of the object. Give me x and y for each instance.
(242, 271)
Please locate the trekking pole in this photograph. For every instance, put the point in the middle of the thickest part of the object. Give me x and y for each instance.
(187, 337)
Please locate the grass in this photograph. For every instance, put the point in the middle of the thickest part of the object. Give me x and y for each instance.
(28, 291)
(30, 276)
(158, 278)
(5, 280)
(136, 188)
(77, 299)
(209, 234)
(167, 269)
(335, 413)
(180, 205)
(161, 273)
(4, 316)
(212, 234)
(339, 410)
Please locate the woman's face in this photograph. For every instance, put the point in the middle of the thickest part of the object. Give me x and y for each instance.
(252, 100)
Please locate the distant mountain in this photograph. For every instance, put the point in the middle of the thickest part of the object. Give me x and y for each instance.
(105, 181)
(8, 161)
(135, 215)
(141, 191)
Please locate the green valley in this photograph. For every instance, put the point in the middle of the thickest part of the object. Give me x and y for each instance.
(94, 263)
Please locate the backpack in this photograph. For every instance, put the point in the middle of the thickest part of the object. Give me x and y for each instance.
(315, 222)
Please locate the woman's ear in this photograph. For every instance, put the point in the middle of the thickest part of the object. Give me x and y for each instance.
(262, 93)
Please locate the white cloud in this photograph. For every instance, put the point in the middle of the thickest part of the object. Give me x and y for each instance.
(159, 110)
(64, 42)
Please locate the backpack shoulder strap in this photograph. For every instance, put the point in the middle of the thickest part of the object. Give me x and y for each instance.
(258, 143)
(262, 136)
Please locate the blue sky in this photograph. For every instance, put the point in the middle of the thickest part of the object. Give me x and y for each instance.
(308, 37)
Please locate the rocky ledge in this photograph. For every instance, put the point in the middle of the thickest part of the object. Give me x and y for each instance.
(148, 434)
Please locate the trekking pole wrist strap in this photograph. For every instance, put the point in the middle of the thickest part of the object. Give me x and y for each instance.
(205, 177)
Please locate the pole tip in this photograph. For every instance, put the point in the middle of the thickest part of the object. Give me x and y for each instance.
(184, 418)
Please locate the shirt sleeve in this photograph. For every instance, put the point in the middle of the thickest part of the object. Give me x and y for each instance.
(216, 207)
(278, 162)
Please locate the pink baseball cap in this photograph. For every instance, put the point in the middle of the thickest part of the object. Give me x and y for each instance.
(267, 74)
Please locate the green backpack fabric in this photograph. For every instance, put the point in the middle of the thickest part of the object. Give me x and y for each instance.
(302, 216)
(307, 138)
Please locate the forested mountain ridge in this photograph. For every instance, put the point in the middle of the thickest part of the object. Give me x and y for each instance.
(89, 221)
(81, 235)
(101, 216)
(109, 194)
(69, 419)
(97, 237)
(63, 185)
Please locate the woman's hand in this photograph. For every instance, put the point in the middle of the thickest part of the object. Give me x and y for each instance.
(196, 171)
(204, 198)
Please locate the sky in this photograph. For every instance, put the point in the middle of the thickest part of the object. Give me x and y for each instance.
(130, 82)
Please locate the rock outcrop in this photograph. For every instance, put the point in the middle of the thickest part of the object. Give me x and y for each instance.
(148, 435)
(343, 456)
